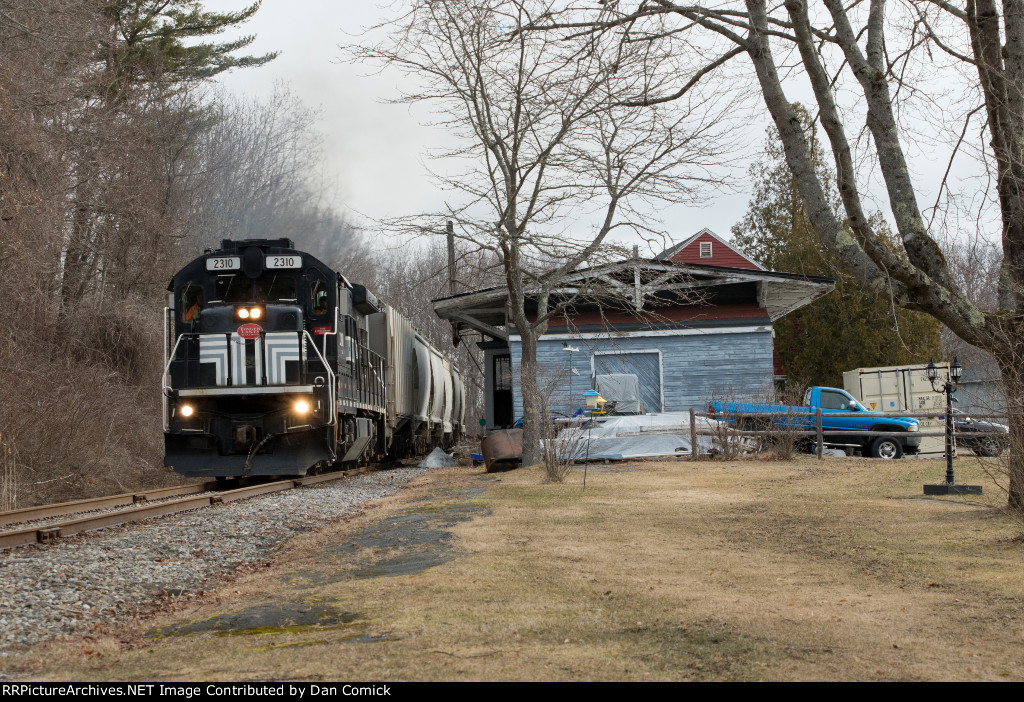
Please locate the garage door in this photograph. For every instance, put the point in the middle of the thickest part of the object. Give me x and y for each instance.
(645, 365)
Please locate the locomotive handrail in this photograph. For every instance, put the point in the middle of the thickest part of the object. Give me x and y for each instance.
(189, 336)
(186, 336)
(330, 375)
(170, 360)
(366, 383)
(167, 337)
(333, 332)
(164, 408)
(374, 360)
(165, 383)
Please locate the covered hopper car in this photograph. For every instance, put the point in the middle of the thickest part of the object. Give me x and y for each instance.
(277, 365)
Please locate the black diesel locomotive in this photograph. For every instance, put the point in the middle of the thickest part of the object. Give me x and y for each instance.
(277, 365)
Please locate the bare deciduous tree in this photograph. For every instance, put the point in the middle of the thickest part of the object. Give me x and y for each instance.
(99, 118)
(258, 172)
(411, 282)
(555, 163)
(889, 80)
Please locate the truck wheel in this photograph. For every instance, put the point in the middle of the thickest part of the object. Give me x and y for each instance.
(886, 447)
(988, 447)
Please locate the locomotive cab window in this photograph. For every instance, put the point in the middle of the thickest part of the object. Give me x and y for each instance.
(232, 288)
(191, 303)
(276, 288)
(269, 288)
(318, 296)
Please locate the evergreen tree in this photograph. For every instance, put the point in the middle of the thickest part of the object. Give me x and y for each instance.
(132, 129)
(156, 39)
(850, 328)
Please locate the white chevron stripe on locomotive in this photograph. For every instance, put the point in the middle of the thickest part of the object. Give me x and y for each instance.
(213, 348)
(238, 361)
(281, 348)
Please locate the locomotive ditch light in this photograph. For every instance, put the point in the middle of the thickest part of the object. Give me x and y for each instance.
(186, 411)
(302, 407)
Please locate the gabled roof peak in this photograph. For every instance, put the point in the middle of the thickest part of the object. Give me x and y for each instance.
(668, 253)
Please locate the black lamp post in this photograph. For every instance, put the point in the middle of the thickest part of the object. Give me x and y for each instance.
(948, 386)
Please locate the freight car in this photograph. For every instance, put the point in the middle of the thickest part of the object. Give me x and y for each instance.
(277, 365)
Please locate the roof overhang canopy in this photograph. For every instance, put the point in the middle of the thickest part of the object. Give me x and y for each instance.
(638, 281)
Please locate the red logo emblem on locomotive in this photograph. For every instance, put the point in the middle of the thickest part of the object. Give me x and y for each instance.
(250, 331)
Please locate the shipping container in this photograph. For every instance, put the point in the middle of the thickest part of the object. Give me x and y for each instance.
(903, 389)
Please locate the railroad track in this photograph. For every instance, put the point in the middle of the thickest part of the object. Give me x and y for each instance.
(133, 507)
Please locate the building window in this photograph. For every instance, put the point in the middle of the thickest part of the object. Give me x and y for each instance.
(502, 373)
(705, 249)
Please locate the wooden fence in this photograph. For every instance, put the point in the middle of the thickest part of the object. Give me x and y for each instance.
(768, 425)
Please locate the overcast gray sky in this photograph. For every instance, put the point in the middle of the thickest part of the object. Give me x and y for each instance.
(377, 151)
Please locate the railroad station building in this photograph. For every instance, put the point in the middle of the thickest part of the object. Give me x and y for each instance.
(668, 333)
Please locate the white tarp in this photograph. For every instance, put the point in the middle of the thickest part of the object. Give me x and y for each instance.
(621, 388)
(437, 459)
(636, 436)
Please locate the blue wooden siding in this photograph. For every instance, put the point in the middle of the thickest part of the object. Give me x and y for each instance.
(695, 368)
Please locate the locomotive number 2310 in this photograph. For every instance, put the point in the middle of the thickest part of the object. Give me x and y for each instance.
(223, 263)
(283, 262)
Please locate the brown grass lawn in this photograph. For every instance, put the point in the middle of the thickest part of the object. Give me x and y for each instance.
(747, 570)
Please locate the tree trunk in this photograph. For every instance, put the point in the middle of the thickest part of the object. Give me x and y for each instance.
(532, 429)
(79, 258)
(1013, 388)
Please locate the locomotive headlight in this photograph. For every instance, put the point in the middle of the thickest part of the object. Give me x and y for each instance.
(186, 410)
(302, 407)
(254, 313)
(243, 313)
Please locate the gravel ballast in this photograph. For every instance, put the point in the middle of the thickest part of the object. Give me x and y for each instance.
(52, 591)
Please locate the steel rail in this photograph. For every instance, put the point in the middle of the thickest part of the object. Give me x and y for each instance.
(29, 514)
(52, 532)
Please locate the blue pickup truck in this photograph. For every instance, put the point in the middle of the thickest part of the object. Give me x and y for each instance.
(840, 412)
